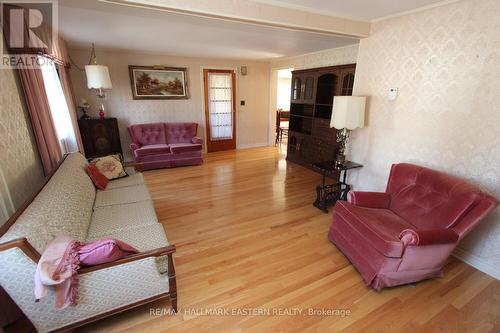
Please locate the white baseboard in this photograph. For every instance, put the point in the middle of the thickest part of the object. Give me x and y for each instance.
(252, 145)
(477, 262)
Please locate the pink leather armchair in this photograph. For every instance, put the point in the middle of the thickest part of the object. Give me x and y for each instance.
(165, 145)
(406, 234)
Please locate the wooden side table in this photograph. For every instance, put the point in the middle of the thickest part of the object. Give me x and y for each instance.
(328, 194)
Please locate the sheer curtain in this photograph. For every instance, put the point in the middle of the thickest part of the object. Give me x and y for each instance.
(59, 108)
(220, 94)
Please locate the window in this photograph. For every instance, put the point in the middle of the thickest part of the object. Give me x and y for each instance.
(59, 108)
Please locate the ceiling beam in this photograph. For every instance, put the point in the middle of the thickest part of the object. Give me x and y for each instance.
(252, 12)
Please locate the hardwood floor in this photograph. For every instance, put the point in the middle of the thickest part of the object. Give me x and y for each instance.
(247, 236)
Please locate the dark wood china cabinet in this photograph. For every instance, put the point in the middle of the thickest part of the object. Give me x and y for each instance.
(310, 138)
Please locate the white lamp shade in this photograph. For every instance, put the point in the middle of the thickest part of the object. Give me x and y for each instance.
(98, 77)
(348, 112)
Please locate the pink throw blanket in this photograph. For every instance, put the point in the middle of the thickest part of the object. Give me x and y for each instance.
(59, 264)
(58, 267)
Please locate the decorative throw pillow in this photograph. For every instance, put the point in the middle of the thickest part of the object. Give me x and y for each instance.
(103, 251)
(110, 166)
(100, 181)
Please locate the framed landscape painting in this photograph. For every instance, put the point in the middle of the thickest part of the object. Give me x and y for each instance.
(155, 82)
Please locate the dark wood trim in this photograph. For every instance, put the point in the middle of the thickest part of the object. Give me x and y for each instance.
(172, 283)
(327, 68)
(110, 313)
(168, 250)
(5, 227)
(213, 146)
(24, 245)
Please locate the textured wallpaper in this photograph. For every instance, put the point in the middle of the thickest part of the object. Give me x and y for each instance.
(251, 121)
(331, 57)
(19, 161)
(446, 63)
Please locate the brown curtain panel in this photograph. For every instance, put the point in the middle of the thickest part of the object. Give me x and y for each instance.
(41, 119)
(70, 99)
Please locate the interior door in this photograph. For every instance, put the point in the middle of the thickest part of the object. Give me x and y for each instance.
(220, 107)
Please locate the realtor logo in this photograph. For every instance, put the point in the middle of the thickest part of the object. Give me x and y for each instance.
(29, 28)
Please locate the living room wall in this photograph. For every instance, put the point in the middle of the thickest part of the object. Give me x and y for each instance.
(251, 122)
(445, 62)
(21, 172)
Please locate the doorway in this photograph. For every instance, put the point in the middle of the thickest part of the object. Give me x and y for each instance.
(220, 107)
(283, 95)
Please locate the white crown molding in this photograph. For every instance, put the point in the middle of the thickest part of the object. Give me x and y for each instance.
(415, 10)
(308, 54)
(302, 8)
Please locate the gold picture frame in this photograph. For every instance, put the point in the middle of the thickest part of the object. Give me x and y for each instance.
(158, 82)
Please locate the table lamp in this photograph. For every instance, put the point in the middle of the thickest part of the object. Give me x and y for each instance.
(98, 78)
(348, 113)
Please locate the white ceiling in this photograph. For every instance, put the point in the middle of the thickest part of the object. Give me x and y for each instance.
(149, 31)
(144, 30)
(364, 10)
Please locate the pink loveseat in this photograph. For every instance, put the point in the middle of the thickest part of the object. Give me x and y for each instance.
(165, 145)
(406, 233)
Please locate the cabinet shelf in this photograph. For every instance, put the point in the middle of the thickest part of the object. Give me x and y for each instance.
(300, 109)
(300, 116)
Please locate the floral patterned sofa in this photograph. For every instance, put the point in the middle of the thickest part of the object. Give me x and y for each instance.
(69, 204)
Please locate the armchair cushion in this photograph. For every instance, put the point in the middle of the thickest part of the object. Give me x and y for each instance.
(428, 237)
(369, 199)
(152, 150)
(378, 227)
(429, 199)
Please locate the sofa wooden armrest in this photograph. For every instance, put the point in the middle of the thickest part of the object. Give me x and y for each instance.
(24, 245)
(168, 251)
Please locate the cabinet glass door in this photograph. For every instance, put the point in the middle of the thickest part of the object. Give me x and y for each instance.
(309, 88)
(297, 85)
